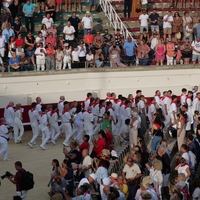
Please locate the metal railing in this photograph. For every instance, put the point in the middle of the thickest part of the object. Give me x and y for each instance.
(114, 18)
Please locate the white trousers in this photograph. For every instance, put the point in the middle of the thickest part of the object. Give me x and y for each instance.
(45, 135)
(170, 60)
(4, 147)
(67, 61)
(89, 131)
(55, 131)
(18, 130)
(79, 130)
(40, 63)
(68, 132)
(35, 131)
(22, 194)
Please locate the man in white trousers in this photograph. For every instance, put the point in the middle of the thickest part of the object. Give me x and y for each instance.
(18, 126)
(4, 137)
(43, 127)
(39, 104)
(87, 101)
(33, 116)
(60, 110)
(9, 114)
(67, 123)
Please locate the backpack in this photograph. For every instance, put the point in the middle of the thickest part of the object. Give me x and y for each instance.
(27, 180)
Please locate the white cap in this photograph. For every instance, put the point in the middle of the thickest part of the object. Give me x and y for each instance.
(87, 12)
(93, 176)
(114, 175)
(106, 181)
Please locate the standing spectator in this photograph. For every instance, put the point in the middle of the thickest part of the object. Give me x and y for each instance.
(167, 25)
(75, 58)
(170, 49)
(40, 5)
(93, 3)
(143, 19)
(196, 50)
(39, 39)
(17, 26)
(114, 52)
(160, 50)
(107, 42)
(2, 44)
(143, 53)
(154, 41)
(153, 19)
(98, 41)
(50, 9)
(189, 32)
(67, 56)
(8, 32)
(48, 21)
(196, 19)
(53, 30)
(50, 57)
(30, 47)
(88, 40)
(3, 25)
(69, 33)
(127, 7)
(82, 54)
(177, 24)
(129, 51)
(4, 15)
(187, 20)
(68, 5)
(59, 57)
(186, 51)
(17, 180)
(87, 23)
(50, 39)
(40, 57)
(28, 10)
(44, 30)
(119, 39)
(13, 10)
(75, 22)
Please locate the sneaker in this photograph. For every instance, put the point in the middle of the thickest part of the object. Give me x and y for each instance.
(6, 159)
(67, 145)
(30, 145)
(43, 147)
(53, 142)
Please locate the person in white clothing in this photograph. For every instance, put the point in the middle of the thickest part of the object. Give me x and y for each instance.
(173, 109)
(39, 104)
(67, 121)
(166, 108)
(91, 178)
(189, 104)
(196, 50)
(61, 105)
(142, 113)
(86, 164)
(88, 120)
(69, 32)
(33, 116)
(189, 118)
(151, 110)
(4, 138)
(87, 22)
(54, 124)
(143, 18)
(2, 44)
(87, 101)
(195, 90)
(196, 102)
(183, 96)
(48, 21)
(18, 126)
(167, 25)
(40, 53)
(67, 56)
(43, 127)
(158, 100)
(9, 114)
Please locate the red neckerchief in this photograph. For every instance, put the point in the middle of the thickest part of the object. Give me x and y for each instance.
(87, 99)
(107, 98)
(184, 164)
(1, 124)
(132, 100)
(102, 107)
(8, 106)
(158, 126)
(43, 113)
(52, 112)
(60, 101)
(173, 102)
(96, 103)
(89, 111)
(64, 111)
(127, 106)
(16, 109)
(92, 104)
(162, 98)
(153, 104)
(157, 96)
(122, 183)
(188, 97)
(122, 103)
(182, 95)
(117, 101)
(197, 98)
(183, 118)
(169, 97)
(32, 109)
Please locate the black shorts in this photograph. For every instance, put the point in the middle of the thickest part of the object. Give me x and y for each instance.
(186, 54)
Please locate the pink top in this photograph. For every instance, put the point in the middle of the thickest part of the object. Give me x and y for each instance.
(143, 51)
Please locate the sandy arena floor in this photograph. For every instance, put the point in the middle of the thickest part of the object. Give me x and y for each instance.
(34, 160)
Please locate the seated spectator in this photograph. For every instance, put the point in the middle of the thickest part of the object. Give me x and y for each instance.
(89, 180)
(19, 44)
(6, 22)
(50, 39)
(82, 54)
(50, 9)
(107, 37)
(17, 26)
(39, 39)
(170, 50)
(177, 55)
(189, 32)
(11, 46)
(90, 59)
(67, 56)
(8, 32)
(75, 58)
(2, 68)
(44, 31)
(119, 38)
(154, 41)
(143, 53)
(102, 171)
(57, 193)
(59, 58)
(73, 156)
(98, 58)
(23, 62)
(85, 144)
(4, 15)
(114, 52)
(14, 62)
(50, 57)
(98, 41)
(40, 57)
(160, 50)
(186, 51)
(52, 30)
(88, 40)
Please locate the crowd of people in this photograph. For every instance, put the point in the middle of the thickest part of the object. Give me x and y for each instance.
(92, 127)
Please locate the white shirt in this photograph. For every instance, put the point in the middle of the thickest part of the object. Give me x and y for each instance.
(60, 107)
(88, 119)
(75, 56)
(86, 162)
(86, 104)
(18, 114)
(38, 107)
(4, 131)
(195, 104)
(173, 107)
(141, 105)
(151, 109)
(42, 54)
(69, 30)
(167, 101)
(144, 19)
(43, 122)
(33, 116)
(154, 42)
(196, 46)
(87, 22)
(167, 24)
(9, 115)
(82, 51)
(53, 119)
(131, 171)
(89, 57)
(127, 112)
(183, 170)
(158, 101)
(37, 39)
(66, 117)
(2, 41)
(78, 121)
(47, 22)
(196, 194)
(183, 99)
(188, 122)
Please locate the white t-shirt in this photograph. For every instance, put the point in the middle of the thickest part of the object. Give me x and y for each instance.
(196, 46)
(47, 22)
(173, 107)
(37, 51)
(4, 131)
(66, 117)
(144, 19)
(88, 120)
(37, 39)
(75, 56)
(89, 57)
(87, 21)
(167, 24)
(196, 194)
(143, 2)
(131, 171)
(151, 109)
(69, 29)
(86, 162)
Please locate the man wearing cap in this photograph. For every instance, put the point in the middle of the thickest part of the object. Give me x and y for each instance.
(131, 173)
(87, 22)
(113, 178)
(105, 182)
(91, 178)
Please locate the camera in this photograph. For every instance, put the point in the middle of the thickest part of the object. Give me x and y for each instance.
(7, 174)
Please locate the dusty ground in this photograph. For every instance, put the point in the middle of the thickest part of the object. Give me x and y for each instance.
(34, 160)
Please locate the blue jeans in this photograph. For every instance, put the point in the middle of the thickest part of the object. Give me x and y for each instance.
(155, 143)
(132, 191)
(106, 48)
(143, 61)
